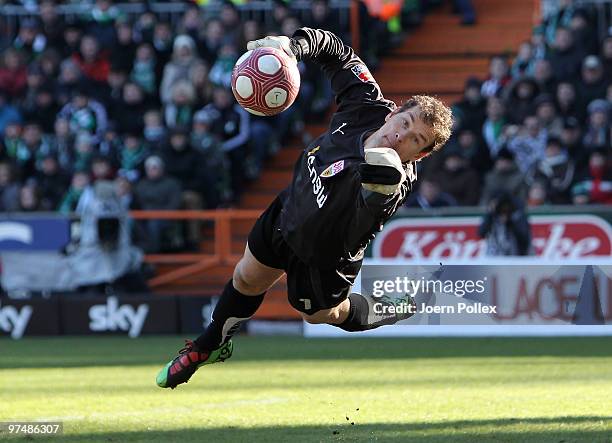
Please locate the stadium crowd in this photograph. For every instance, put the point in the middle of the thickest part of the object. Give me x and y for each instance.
(146, 103)
(536, 128)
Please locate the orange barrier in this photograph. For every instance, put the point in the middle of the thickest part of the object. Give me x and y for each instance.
(195, 263)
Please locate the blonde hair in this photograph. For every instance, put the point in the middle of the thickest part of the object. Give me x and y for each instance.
(435, 114)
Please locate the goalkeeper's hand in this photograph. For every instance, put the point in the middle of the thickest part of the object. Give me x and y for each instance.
(279, 42)
(382, 171)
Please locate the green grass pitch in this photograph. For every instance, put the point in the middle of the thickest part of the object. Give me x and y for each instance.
(311, 390)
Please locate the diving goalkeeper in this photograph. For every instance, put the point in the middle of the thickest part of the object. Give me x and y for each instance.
(346, 184)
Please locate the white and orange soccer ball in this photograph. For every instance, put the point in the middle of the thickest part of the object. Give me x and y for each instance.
(265, 81)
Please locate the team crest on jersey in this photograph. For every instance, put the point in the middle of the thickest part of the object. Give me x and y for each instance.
(361, 72)
(333, 169)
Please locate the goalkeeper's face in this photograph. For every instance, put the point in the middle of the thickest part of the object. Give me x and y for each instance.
(406, 133)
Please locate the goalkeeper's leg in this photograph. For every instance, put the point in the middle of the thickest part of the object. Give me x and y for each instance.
(240, 298)
(361, 312)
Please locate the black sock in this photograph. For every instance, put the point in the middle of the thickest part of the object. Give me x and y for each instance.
(232, 309)
(362, 316)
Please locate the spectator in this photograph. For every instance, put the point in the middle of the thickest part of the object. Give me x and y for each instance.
(505, 176)
(43, 110)
(458, 178)
(52, 182)
(49, 62)
(84, 151)
(144, 26)
(61, 144)
(123, 49)
(493, 126)
(110, 144)
(112, 94)
(567, 102)
(9, 188)
(29, 41)
(31, 143)
(179, 111)
(102, 20)
(92, 61)
(597, 135)
(474, 151)
(13, 74)
(221, 70)
(214, 37)
(157, 191)
(524, 63)
(606, 56)
(528, 146)
(594, 184)
(585, 32)
(144, 72)
(162, 44)
(29, 198)
(505, 227)
(72, 39)
(8, 113)
(230, 20)
(519, 98)
(85, 114)
(566, 56)
(429, 196)
(132, 156)
(198, 76)
(470, 111)
(185, 164)
(183, 59)
(537, 195)
(547, 115)
(52, 24)
(68, 82)
(182, 161)
(70, 200)
(216, 178)
(191, 22)
(593, 84)
(101, 169)
(155, 133)
(556, 172)
(544, 76)
(571, 139)
(231, 123)
(12, 139)
(498, 77)
(129, 112)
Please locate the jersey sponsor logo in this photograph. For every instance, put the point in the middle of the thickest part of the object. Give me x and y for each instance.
(317, 187)
(362, 73)
(333, 169)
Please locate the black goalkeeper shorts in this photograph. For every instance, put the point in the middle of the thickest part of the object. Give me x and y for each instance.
(309, 288)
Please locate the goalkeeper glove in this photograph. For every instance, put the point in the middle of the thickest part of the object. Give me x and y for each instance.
(278, 42)
(382, 171)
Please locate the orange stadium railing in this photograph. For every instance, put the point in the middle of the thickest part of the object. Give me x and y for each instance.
(195, 263)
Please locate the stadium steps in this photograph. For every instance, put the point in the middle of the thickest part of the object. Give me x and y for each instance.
(436, 59)
(441, 54)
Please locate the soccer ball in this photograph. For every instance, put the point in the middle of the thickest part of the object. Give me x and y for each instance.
(265, 81)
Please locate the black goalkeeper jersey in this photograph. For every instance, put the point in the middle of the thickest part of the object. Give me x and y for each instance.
(327, 216)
